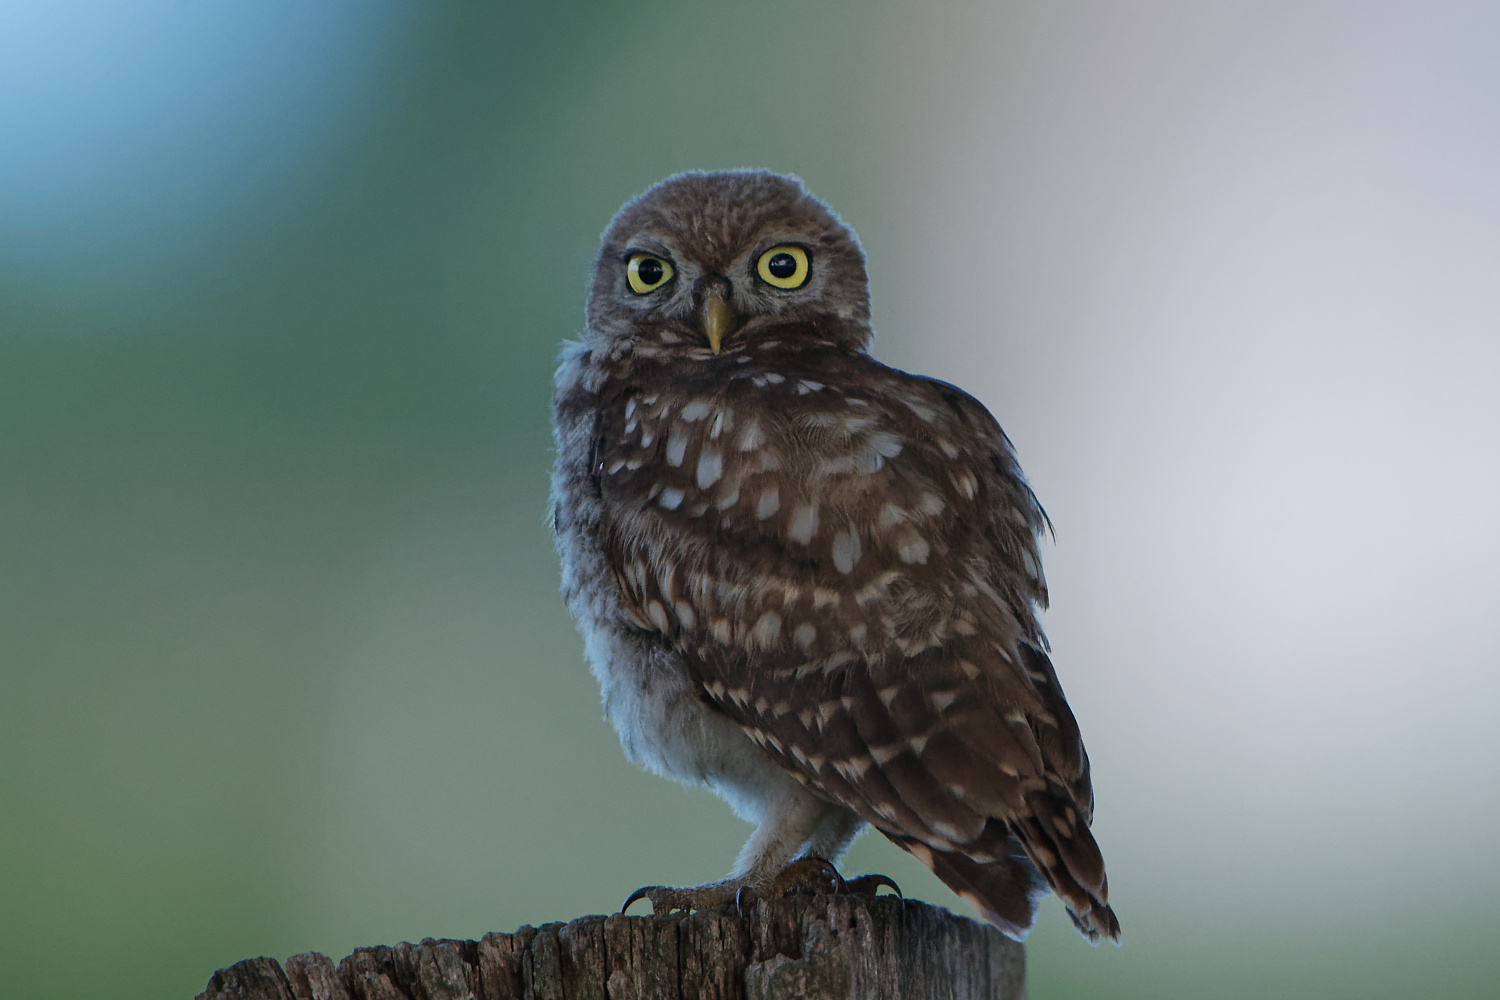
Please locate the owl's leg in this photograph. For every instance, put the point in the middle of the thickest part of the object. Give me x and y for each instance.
(790, 823)
(788, 852)
(840, 828)
(786, 824)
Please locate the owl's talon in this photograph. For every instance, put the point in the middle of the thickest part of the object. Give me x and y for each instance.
(869, 885)
(807, 874)
(666, 898)
(644, 892)
(744, 898)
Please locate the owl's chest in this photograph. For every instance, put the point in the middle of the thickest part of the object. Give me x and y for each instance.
(736, 451)
(756, 507)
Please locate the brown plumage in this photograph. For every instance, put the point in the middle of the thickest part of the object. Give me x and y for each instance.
(791, 560)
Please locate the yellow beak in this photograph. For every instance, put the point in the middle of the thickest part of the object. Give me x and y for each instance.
(717, 319)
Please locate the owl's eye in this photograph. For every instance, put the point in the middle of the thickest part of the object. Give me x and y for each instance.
(784, 267)
(647, 273)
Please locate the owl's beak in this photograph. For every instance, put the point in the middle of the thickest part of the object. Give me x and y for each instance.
(716, 317)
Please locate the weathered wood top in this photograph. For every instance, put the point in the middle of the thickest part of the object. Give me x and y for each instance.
(816, 947)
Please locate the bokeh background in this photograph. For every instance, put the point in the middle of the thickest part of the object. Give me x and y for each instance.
(282, 663)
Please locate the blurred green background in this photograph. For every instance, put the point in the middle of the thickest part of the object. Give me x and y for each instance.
(282, 662)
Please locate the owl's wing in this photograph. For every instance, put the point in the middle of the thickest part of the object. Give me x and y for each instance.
(846, 557)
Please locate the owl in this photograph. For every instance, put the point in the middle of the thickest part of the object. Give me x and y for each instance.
(805, 579)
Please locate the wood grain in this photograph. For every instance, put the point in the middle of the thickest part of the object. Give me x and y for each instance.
(818, 947)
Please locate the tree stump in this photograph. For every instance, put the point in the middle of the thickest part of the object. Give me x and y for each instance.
(817, 947)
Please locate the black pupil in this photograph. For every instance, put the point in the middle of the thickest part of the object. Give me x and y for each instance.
(783, 266)
(649, 270)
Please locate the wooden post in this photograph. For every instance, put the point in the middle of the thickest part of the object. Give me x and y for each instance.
(815, 947)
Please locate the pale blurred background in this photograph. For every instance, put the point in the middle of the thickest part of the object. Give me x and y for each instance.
(282, 660)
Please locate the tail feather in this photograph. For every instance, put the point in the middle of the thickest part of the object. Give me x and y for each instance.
(1068, 857)
(1006, 891)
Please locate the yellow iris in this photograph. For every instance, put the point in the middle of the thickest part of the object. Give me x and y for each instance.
(783, 267)
(647, 273)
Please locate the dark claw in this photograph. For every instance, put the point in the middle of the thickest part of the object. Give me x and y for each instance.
(644, 892)
(745, 895)
(869, 885)
(839, 885)
(808, 874)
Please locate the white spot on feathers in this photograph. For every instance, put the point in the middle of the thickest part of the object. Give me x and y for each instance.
(913, 549)
(805, 635)
(770, 502)
(885, 444)
(765, 631)
(803, 524)
(677, 443)
(845, 550)
(751, 437)
(854, 768)
(710, 468)
(925, 413)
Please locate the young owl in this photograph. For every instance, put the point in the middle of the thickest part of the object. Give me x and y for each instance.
(805, 579)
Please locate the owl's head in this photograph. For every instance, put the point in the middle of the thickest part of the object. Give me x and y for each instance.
(716, 261)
